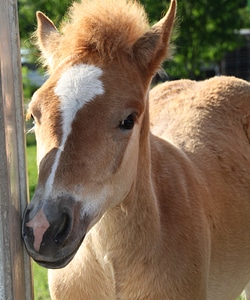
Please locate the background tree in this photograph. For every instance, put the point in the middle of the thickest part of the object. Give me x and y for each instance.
(206, 29)
(55, 9)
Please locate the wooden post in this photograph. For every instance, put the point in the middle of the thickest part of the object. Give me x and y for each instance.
(15, 267)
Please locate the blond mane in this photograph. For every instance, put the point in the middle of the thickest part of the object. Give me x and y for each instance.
(103, 29)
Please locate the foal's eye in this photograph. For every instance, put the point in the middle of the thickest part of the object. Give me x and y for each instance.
(129, 122)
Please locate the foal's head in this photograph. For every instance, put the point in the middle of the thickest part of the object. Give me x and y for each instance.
(89, 119)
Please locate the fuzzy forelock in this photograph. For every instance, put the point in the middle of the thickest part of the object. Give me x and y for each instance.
(103, 27)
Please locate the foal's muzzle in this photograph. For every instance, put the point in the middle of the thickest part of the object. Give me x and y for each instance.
(52, 231)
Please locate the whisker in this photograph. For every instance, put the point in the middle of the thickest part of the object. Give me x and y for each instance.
(31, 130)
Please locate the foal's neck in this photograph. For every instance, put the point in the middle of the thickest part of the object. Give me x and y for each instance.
(135, 221)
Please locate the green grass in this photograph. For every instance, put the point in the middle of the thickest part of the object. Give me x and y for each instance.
(41, 291)
(40, 274)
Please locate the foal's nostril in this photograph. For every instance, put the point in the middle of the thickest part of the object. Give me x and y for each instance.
(63, 230)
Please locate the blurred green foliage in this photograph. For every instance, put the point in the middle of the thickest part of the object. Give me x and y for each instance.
(28, 87)
(206, 29)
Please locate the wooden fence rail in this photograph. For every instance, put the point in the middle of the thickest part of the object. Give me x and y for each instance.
(15, 270)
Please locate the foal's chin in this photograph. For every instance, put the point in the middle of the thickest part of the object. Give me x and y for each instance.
(57, 263)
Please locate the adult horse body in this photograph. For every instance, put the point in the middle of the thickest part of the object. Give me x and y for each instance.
(127, 212)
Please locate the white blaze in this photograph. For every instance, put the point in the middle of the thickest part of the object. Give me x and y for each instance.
(77, 86)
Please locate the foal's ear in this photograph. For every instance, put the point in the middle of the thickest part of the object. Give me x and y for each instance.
(152, 48)
(47, 37)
